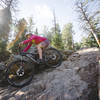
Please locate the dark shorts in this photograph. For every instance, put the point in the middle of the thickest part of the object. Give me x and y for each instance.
(45, 43)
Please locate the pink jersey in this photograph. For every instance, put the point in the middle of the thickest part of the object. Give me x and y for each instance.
(33, 39)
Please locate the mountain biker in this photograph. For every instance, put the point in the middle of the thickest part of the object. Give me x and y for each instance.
(40, 42)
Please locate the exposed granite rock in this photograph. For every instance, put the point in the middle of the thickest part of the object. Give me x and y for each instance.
(75, 79)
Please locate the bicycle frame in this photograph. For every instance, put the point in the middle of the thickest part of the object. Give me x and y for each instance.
(27, 55)
(31, 58)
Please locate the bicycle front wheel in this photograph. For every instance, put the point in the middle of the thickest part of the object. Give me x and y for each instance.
(53, 57)
(20, 73)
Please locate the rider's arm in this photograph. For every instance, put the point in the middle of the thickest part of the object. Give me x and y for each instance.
(29, 45)
(27, 41)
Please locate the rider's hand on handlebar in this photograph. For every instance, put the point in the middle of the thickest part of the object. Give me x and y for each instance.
(19, 47)
(20, 44)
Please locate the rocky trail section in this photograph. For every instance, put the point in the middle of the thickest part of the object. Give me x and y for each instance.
(75, 79)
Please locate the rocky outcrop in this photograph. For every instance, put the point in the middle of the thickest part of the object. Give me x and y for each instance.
(75, 79)
(98, 58)
(66, 54)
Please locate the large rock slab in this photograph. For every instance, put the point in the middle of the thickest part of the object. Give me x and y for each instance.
(75, 79)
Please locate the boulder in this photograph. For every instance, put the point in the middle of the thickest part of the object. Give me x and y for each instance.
(75, 79)
(66, 54)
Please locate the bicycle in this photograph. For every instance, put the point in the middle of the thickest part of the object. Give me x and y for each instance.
(20, 72)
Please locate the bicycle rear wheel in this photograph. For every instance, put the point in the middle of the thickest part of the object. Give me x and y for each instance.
(20, 73)
(53, 57)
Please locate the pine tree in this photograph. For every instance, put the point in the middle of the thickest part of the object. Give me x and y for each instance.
(67, 36)
(36, 31)
(56, 38)
(90, 20)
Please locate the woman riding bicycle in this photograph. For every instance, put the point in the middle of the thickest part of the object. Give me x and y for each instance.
(40, 42)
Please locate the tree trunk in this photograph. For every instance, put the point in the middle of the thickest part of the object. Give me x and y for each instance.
(92, 30)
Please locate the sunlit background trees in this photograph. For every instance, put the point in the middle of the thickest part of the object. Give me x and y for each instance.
(12, 30)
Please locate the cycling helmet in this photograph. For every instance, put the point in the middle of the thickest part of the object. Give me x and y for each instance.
(28, 33)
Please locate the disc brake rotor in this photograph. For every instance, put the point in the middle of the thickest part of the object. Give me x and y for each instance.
(53, 57)
(20, 72)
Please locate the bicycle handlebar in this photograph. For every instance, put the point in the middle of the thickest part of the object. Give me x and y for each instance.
(21, 51)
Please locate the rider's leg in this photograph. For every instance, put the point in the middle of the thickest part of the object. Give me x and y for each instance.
(41, 47)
